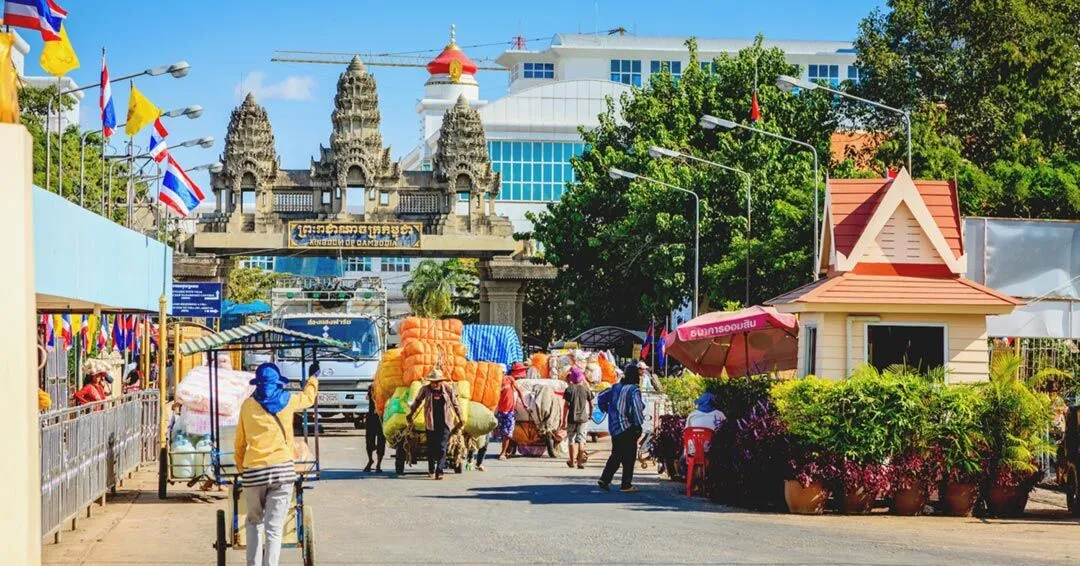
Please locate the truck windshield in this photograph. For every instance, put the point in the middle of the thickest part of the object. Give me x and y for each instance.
(361, 333)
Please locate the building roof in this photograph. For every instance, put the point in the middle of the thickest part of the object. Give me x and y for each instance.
(441, 65)
(852, 202)
(853, 288)
(705, 45)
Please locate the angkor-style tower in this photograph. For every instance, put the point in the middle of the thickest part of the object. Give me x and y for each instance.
(356, 156)
(250, 164)
(461, 161)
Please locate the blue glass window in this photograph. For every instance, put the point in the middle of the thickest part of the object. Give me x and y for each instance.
(626, 71)
(708, 67)
(538, 70)
(673, 67)
(533, 171)
(828, 73)
(395, 264)
(357, 264)
(854, 74)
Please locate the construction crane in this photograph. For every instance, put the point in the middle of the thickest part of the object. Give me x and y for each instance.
(369, 59)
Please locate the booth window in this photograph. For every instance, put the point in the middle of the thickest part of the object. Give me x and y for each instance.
(916, 346)
(810, 350)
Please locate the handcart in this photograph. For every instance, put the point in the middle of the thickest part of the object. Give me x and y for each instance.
(410, 447)
(299, 530)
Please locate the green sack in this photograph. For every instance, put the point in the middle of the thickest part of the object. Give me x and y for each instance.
(479, 420)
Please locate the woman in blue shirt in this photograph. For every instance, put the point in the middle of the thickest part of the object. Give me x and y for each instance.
(625, 409)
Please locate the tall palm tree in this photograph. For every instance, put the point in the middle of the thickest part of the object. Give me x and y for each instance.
(440, 289)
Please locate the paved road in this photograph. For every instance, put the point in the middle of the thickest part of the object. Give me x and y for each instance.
(537, 510)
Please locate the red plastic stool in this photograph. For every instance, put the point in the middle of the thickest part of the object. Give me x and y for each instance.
(698, 437)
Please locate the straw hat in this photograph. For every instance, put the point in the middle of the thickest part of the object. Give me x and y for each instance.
(435, 376)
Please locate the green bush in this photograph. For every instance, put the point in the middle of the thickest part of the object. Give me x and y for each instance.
(956, 431)
(683, 390)
(1015, 419)
(737, 396)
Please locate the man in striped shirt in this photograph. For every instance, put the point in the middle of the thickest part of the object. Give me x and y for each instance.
(625, 413)
(264, 457)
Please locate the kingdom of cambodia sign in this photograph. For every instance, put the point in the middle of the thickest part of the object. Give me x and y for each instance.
(354, 235)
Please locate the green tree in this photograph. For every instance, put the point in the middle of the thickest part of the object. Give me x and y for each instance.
(246, 284)
(993, 93)
(33, 105)
(627, 247)
(440, 289)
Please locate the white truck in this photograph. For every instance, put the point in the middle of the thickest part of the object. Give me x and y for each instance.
(353, 311)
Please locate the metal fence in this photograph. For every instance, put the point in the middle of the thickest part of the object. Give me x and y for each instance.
(86, 450)
(56, 378)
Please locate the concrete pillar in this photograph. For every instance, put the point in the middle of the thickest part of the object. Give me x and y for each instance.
(504, 303)
(20, 527)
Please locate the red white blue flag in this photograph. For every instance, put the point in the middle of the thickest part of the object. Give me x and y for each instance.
(178, 191)
(103, 333)
(65, 332)
(158, 149)
(44, 16)
(648, 343)
(108, 111)
(661, 346)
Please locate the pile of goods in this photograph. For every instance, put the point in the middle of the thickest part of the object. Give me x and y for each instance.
(191, 445)
(491, 343)
(599, 367)
(540, 415)
(425, 344)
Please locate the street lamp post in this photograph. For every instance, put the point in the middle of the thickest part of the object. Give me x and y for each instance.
(657, 152)
(711, 122)
(191, 112)
(179, 70)
(787, 84)
(619, 173)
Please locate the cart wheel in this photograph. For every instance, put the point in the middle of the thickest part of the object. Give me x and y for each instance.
(399, 460)
(309, 536)
(220, 545)
(458, 468)
(644, 465)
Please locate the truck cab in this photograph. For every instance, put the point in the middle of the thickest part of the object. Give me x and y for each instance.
(346, 310)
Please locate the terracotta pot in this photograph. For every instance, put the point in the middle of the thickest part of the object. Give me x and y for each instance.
(856, 501)
(910, 501)
(960, 498)
(808, 500)
(1007, 501)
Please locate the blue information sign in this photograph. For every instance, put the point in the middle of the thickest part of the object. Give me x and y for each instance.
(201, 300)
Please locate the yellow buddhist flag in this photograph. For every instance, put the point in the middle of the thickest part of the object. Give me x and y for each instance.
(140, 112)
(58, 58)
(9, 82)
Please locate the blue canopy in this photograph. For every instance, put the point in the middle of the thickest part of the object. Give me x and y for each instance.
(244, 309)
(489, 343)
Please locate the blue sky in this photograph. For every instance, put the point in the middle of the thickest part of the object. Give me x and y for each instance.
(228, 42)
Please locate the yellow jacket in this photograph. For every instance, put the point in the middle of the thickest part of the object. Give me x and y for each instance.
(259, 442)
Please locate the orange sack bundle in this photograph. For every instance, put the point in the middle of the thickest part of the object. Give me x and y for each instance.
(419, 357)
(486, 382)
(415, 328)
(539, 362)
(388, 377)
(607, 370)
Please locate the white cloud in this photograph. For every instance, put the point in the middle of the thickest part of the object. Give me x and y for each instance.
(289, 88)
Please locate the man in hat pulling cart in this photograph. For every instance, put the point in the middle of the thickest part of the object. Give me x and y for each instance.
(442, 413)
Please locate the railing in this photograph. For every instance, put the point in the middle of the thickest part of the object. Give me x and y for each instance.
(294, 202)
(56, 378)
(86, 450)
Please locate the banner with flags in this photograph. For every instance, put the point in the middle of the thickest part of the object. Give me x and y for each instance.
(140, 112)
(108, 111)
(178, 192)
(43, 16)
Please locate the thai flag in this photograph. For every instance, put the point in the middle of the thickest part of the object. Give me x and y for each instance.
(44, 16)
(108, 112)
(118, 333)
(65, 331)
(178, 191)
(158, 149)
(50, 334)
(84, 333)
(103, 333)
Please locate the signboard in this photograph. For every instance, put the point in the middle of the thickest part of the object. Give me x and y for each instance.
(196, 300)
(354, 235)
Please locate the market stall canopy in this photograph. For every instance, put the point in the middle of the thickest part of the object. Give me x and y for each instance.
(617, 339)
(257, 335)
(229, 308)
(751, 341)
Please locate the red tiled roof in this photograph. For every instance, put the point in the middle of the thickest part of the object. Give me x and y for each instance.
(853, 201)
(852, 288)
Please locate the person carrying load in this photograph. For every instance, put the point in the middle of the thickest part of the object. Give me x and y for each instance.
(264, 457)
(442, 412)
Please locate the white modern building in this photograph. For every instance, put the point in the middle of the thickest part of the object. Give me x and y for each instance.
(533, 131)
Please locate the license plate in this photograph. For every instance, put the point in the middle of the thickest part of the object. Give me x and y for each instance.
(328, 399)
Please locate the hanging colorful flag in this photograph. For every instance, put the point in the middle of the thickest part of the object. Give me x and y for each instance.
(661, 347)
(44, 16)
(84, 333)
(58, 57)
(140, 112)
(178, 192)
(890, 173)
(108, 111)
(118, 333)
(153, 335)
(645, 348)
(50, 333)
(102, 333)
(755, 110)
(65, 331)
(158, 149)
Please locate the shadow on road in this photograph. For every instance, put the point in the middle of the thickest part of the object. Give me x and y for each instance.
(652, 497)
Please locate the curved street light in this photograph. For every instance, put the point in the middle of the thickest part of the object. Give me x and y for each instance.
(620, 174)
(712, 122)
(788, 84)
(657, 152)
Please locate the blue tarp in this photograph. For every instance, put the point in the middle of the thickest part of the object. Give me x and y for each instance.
(244, 309)
(490, 343)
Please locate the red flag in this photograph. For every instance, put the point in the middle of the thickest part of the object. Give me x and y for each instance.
(755, 110)
(648, 343)
(890, 173)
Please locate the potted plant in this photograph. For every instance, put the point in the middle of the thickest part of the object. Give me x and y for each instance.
(911, 475)
(961, 446)
(1015, 418)
(862, 485)
(806, 489)
(668, 446)
(760, 452)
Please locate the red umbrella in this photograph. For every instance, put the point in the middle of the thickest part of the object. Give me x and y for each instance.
(753, 340)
